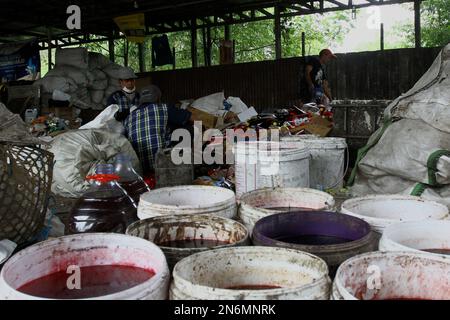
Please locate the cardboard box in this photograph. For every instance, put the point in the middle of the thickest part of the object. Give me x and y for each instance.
(208, 120)
(317, 126)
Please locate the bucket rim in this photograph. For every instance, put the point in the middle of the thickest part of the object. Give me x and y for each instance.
(368, 256)
(349, 204)
(46, 244)
(208, 208)
(232, 292)
(144, 222)
(322, 248)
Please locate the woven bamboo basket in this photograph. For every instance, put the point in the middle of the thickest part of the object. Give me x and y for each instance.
(25, 181)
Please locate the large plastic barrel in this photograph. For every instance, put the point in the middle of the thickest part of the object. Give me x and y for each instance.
(257, 204)
(381, 211)
(429, 236)
(270, 164)
(179, 236)
(187, 200)
(392, 276)
(86, 251)
(331, 236)
(327, 164)
(249, 273)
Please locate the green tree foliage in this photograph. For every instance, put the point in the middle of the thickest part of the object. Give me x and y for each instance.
(320, 31)
(435, 24)
(254, 41)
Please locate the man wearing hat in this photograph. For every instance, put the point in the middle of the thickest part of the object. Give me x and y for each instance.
(127, 97)
(146, 126)
(316, 81)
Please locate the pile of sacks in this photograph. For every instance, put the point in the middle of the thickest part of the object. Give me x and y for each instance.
(410, 153)
(89, 78)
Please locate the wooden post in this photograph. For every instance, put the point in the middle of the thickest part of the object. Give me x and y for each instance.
(141, 53)
(277, 33)
(382, 36)
(205, 47)
(227, 32)
(303, 44)
(417, 27)
(174, 58)
(125, 53)
(112, 55)
(194, 43)
(208, 45)
(49, 33)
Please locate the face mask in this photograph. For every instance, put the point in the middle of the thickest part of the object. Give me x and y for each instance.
(126, 90)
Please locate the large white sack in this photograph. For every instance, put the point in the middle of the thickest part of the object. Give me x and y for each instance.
(237, 105)
(96, 95)
(49, 84)
(81, 98)
(212, 104)
(105, 120)
(77, 153)
(81, 77)
(429, 99)
(416, 147)
(110, 90)
(100, 80)
(410, 149)
(97, 60)
(113, 70)
(395, 185)
(75, 57)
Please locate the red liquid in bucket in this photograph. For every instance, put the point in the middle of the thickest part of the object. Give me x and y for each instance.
(253, 287)
(95, 281)
(193, 243)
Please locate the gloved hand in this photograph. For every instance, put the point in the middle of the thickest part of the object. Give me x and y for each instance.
(122, 115)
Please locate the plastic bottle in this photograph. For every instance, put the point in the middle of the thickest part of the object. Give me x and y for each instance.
(104, 207)
(129, 179)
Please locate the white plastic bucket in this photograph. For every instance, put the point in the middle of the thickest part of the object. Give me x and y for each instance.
(418, 236)
(270, 164)
(210, 274)
(327, 163)
(187, 200)
(256, 204)
(392, 275)
(381, 211)
(83, 250)
(162, 229)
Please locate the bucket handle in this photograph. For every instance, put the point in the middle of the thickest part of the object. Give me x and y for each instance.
(345, 171)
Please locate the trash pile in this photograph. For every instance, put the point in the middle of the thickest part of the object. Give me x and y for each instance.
(86, 78)
(221, 176)
(216, 111)
(410, 153)
(51, 125)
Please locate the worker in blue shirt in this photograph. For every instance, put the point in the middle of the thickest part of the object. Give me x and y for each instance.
(146, 126)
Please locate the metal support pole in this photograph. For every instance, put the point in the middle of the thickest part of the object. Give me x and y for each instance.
(227, 32)
(303, 44)
(194, 43)
(141, 53)
(277, 33)
(417, 26)
(49, 33)
(112, 55)
(382, 36)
